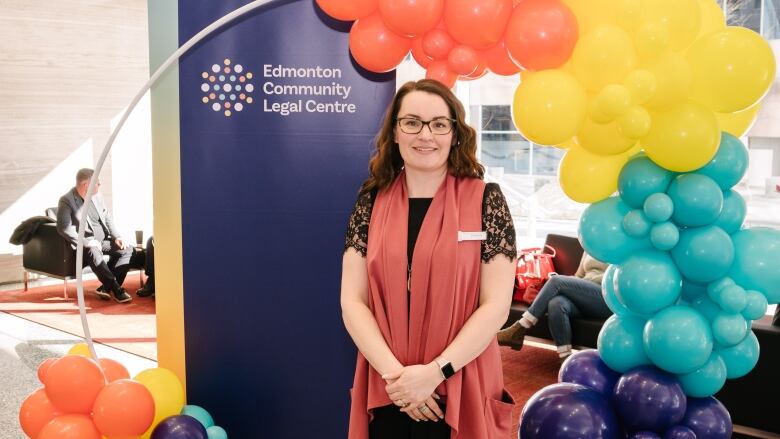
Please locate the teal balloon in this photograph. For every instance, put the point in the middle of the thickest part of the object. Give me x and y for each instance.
(756, 305)
(742, 357)
(648, 282)
(608, 292)
(706, 307)
(731, 298)
(659, 207)
(707, 380)
(697, 200)
(198, 413)
(729, 164)
(620, 343)
(692, 290)
(733, 213)
(729, 329)
(717, 285)
(757, 261)
(678, 339)
(703, 254)
(664, 236)
(640, 178)
(216, 432)
(636, 224)
(601, 232)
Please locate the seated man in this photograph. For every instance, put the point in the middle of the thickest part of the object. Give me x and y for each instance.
(101, 236)
(148, 288)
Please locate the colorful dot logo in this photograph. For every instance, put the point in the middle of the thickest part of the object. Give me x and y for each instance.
(227, 88)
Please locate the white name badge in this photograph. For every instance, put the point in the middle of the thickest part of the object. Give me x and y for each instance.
(472, 236)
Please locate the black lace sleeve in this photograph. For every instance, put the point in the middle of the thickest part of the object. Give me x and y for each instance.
(357, 230)
(497, 222)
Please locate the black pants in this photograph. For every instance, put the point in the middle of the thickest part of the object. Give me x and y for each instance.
(391, 423)
(113, 273)
(149, 268)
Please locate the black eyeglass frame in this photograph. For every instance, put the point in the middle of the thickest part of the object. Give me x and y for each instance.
(424, 123)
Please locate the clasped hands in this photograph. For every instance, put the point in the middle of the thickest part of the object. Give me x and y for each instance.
(412, 389)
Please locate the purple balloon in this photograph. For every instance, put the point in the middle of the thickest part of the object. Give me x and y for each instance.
(648, 398)
(568, 411)
(708, 418)
(587, 368)
(679, 432)
(644, 435)
(179, 427)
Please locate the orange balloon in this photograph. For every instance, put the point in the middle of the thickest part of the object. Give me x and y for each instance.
(463, 60)
(113, 370)
(375, 47)
(479, 72)
(411, 17)
(69, 427)
(124, 408)
(73, 382)
(439, 71)
(498, 60)
(44, 367)
(437, 43)
(36, 412)
(419, 54)
(348, 10)
(477, 23)
(541, 34)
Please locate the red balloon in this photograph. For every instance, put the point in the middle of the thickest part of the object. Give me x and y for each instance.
(477, 23)
(124, 408)
(36, 412)
(44, 367)
(439, 71)
(419, 54)
(437, 44)
(375, 47)
(498, 60)
(541, 34)
(479, 72)
(411, 17)
(348, 10)
(463, 60)
(69, 427)
(113, 370)
(73, 382)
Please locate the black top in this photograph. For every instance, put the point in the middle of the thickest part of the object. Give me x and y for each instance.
(496, 221)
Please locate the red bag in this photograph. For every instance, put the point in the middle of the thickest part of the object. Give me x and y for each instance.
(533, 270)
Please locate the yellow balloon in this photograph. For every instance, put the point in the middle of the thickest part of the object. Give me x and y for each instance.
(603, 56)
(167, 392)
(672, 80)
(595, 114)
(603, 139)
(681, 18)
(732, 69)
(635, 123)
(712, 17)
(614, 100)
(586, 177)
(683, 138)
(549, 107)
(591, 14)
(641, 84)
(738, 123)
(566, 144)
(652, 39)
(80, 349)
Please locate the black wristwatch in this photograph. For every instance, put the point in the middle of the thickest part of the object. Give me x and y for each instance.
(446, 367)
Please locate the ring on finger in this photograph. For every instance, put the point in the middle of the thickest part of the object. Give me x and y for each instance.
(424, 409)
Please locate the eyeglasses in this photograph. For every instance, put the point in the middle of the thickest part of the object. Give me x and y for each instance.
(439, 126)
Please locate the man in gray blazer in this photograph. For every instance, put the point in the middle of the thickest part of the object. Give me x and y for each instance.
(101, 237)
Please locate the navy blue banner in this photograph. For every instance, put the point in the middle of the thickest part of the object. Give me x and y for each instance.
(277, 126)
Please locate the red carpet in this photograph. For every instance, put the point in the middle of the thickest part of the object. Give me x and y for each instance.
(525, 372)
(130, 327)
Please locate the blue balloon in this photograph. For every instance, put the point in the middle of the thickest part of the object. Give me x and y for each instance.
(644, 435)
(647, 398)
(729, 329)
(587, 368)
(601, 232)
(648, 282)
(691, 290)
(733, 213)
(742, 357)
(703, 254)
(640, 178)
(715, 286)
(620, 342)
(708, 418)
(756, 305)
(731, 298)
(678, 339)
(636, 224)
(198, 413)
(679, 432)
(697, 200)
(568, 411)
(216, 432)
(757, 261)
(659, 207)
(729, 164)
(706, 307)
(707, 380)
(179, 427)
(664, 236)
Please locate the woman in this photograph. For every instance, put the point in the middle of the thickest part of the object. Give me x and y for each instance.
(562, 297)
(423, 288)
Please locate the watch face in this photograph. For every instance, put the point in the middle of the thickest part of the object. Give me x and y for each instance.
(447, 370)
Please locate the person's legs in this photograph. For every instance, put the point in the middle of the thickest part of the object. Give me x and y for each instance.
(148, 289)
(119, 259)
(93, 257)
(560, 312)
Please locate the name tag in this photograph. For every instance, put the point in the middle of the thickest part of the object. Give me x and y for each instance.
(472, 236)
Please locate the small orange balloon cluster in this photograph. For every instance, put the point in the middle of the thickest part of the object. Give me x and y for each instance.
(458, 39)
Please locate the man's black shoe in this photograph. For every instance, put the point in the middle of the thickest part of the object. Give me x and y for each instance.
(145, 292)
(122, 296)
(102, 293)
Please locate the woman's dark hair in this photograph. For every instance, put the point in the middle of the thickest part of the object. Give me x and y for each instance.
(386, 162)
